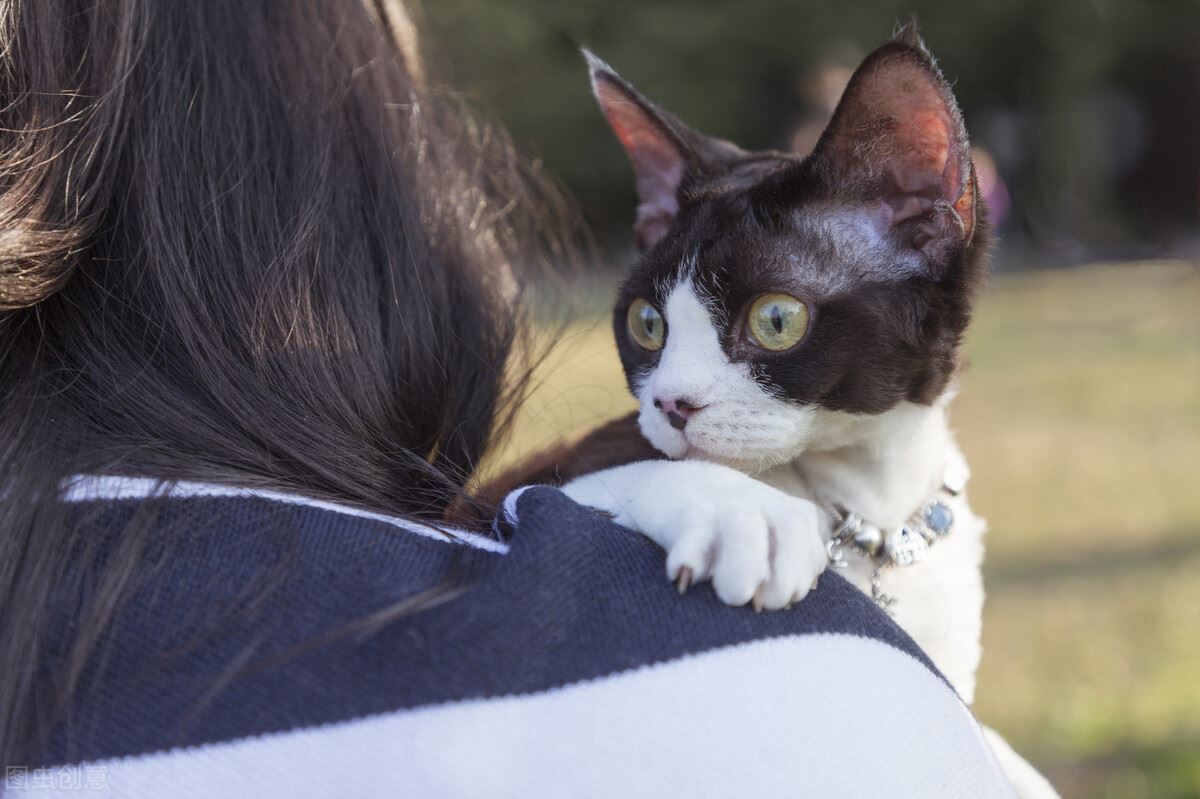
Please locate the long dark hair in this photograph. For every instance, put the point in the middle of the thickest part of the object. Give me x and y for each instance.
(241, 242)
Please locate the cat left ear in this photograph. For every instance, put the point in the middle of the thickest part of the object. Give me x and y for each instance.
(897, 140)
(664, 152)
(655, 150)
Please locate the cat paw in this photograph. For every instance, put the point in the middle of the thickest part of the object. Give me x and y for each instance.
(756, 543)
(764, 549)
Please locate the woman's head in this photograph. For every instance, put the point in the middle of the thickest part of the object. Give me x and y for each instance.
(240, 242)
(244, 238)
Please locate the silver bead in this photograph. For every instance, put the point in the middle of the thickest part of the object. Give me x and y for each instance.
(869, 539)
(905, 547)
(955, 479)
(848, 527)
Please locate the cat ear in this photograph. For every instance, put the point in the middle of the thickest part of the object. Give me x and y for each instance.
(897, 141)
(663, 151)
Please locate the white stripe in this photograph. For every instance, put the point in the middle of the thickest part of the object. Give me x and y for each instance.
(817, 715)
(88, 488)
(510, 504)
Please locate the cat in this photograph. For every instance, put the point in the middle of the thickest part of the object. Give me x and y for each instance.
(791, 331)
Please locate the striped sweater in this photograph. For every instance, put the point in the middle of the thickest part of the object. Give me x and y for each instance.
(252, 660)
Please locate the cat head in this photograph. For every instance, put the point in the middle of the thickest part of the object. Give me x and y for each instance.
(779, 298)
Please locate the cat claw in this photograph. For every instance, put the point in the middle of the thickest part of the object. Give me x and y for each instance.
(683, 579)
(757, 601)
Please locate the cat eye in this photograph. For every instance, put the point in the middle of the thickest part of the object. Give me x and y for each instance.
(777, 321)
(646, 325)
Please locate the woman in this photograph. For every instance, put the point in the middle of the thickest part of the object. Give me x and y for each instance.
(257, 312)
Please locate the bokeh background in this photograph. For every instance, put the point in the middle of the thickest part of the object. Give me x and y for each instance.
(1080, 412)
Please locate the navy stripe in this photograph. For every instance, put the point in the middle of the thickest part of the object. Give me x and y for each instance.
(228, 635)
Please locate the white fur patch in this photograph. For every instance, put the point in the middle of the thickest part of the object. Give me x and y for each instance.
(740, 423)
(750, 539)
(881, 465)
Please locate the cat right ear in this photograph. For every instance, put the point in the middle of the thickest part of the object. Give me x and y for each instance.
(897, 139)
(657, 150)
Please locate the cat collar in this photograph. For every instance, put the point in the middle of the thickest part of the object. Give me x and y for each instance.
(901, 546)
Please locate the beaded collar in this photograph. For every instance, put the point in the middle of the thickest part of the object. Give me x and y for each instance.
(905, 545)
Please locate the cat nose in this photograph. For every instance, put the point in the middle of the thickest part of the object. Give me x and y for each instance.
(677, 410)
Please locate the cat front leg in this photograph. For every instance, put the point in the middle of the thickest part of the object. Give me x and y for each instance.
(756, 543)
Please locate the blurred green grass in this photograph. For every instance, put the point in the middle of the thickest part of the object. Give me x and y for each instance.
(1080, 416)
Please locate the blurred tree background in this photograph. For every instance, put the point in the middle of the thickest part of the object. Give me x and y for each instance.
(1090, 109)
(1080, 413)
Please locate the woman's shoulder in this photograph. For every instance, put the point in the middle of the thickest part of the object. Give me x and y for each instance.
(280, 632)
